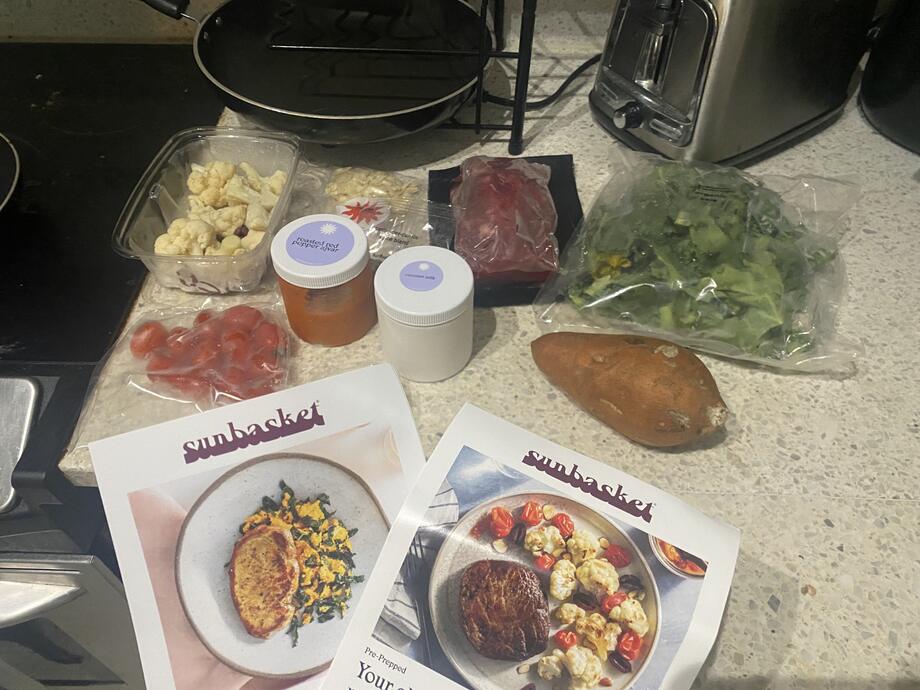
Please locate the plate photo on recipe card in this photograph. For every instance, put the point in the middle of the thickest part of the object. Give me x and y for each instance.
(463, 547)
(301, 528)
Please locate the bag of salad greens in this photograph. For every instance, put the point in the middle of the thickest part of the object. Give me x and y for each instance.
(714, 259)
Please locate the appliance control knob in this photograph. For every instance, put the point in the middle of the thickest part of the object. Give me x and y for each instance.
(628, 117)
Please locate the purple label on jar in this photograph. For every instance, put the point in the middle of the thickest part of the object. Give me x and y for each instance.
(421, 276)
(320, 243)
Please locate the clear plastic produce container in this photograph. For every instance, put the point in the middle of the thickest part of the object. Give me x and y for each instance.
(161, 196)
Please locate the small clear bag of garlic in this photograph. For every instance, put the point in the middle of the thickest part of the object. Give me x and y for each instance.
(228, 211)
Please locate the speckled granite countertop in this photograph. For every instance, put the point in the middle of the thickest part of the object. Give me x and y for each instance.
(821, 475)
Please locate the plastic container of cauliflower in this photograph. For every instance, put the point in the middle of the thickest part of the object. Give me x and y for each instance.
(205, 220)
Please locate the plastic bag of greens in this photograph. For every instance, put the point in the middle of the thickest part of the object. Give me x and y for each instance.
(714, 259)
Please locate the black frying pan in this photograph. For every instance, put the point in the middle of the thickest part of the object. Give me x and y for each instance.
(336, 96)
(9, 170)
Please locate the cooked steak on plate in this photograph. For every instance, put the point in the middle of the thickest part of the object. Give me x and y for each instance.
(263, 578)
(503, 610)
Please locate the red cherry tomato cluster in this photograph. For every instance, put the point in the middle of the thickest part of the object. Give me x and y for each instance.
(238, 353)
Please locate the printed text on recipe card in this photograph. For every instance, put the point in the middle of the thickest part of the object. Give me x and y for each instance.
(372, 676)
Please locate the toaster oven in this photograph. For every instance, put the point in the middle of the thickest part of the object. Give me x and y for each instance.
(727, 80)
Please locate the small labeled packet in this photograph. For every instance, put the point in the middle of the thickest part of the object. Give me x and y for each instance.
(391, 208)
(516, 563)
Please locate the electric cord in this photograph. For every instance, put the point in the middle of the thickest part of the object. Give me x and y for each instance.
(553, 97)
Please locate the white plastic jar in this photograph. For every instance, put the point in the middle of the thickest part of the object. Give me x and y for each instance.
(425, 311)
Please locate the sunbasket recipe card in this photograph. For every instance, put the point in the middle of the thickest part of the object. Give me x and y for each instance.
(516, 563)
(245, 533)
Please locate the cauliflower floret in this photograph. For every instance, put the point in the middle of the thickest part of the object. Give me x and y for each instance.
(252, 238)
(274, 183)
(598, 577)
(632, 614)
(591, 625)
(237, 191)
(253, 178)
(267, 198)
(550, 666)
(546, 538)
(562, 583)
(582, 546)
(186, 236)
(256, 217)
(594, 630)
(225, 220)
(207, 181)
(612, 632)
(569, 613)
(584, 667)
(229, 246)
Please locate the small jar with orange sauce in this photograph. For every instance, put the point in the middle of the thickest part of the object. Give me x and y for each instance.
(326, 279)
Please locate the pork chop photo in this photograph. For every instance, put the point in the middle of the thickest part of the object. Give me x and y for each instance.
(263, 578)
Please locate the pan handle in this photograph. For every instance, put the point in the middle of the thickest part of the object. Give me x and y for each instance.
(176, 9)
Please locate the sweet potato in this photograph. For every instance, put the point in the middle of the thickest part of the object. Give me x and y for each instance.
(651, 391)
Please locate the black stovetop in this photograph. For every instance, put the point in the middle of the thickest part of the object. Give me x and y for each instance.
(86, 120)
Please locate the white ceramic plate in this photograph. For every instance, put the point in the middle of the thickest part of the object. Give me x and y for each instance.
(206, 544)
(460, 550)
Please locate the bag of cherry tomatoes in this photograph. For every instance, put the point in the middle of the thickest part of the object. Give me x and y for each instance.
(212, 356)
(175, 362)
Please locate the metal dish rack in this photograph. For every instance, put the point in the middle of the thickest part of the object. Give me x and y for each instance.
(522, 56)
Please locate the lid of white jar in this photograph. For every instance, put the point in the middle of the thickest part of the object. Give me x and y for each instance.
(319, 251)
(424, 286)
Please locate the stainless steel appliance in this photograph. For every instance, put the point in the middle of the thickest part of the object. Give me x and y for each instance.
(64, 624)
(727, 80)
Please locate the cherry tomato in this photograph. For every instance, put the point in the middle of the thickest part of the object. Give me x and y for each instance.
(194, 387)
(241, 316)
(204, 354)
(612, 600)
(159, 363)
(618, 556)
(207, 330)
(235, 344)
(178, 342)
(564, 524)
(606, 682)
(266, 336)
(235, 376)
(231, 381)
(544, 561)
(532, 514)
(628, 644)
(500, 522)
(203, 316)
(147, 337)
(565, 639)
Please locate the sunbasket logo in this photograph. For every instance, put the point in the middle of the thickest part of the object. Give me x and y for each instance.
(608, 494)
(281, 425)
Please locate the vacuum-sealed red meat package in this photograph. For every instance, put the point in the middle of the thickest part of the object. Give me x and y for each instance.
(505, 220)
